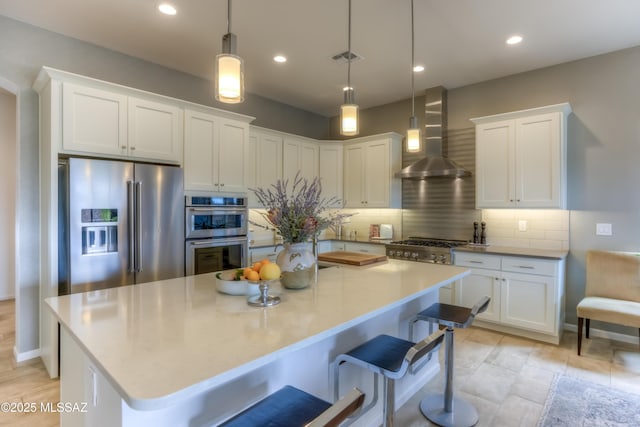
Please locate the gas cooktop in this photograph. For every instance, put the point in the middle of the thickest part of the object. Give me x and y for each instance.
(423, 249)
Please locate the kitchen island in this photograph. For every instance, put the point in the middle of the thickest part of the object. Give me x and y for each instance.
(177, 352)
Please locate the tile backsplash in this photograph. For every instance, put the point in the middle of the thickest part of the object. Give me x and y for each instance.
(359, 223)
(545, 229)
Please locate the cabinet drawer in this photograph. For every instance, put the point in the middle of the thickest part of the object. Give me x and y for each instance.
(471, 260)
(529, 266)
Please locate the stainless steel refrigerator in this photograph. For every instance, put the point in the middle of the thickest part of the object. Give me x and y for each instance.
(120, 223)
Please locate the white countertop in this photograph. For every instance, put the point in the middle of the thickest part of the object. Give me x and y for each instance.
(161, 342)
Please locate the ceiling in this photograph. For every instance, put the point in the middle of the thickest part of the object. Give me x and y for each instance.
(459, 41)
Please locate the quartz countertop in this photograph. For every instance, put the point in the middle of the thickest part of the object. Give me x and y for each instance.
(161, 342)
(507, 250)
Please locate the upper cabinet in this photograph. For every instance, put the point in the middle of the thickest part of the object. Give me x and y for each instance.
(369, 167)
(265, 161)
(102, 122)
(215, 153)
(521, 158)
(155, 130)
(331, 166)
(94, 118)
(301, 156)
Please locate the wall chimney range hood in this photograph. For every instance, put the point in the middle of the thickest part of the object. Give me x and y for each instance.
(435, 165)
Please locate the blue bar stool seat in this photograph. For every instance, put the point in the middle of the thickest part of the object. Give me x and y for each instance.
(445, 409)
(292, 407)
(390, 357)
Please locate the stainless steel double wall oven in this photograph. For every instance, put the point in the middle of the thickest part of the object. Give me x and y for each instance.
(215, 232)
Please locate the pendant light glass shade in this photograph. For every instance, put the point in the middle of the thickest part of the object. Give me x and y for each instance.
(414, 142)
(349, 123)
(229, 78)
(229, 68)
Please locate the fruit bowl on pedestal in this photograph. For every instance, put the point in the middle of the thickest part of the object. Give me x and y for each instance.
(263, 299)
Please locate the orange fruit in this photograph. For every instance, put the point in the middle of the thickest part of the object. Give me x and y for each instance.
(265, 261)
(246, 271)
(253, 276)
(257, 266)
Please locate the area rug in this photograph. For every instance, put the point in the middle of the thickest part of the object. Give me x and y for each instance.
(575, 402)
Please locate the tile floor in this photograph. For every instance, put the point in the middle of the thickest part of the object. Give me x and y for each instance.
(507, 378)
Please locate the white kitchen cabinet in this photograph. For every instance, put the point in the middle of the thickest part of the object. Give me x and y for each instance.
(215, 150)
(331, 170)
(521, 158)
(93, 120)
(527, 294)
(300, 155)
(264, 161)
(369, 167)
(103, 122)
(155, 130)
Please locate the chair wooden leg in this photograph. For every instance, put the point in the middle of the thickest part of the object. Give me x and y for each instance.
(587, 326)
(580, 322)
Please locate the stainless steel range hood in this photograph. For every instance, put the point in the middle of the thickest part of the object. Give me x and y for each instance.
(435, 164)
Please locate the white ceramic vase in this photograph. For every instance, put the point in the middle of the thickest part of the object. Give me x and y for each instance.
(298, 265)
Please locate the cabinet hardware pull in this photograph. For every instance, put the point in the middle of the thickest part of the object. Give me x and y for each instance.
(124, 147)
(476, 262)
(133, 148)
(525, 266)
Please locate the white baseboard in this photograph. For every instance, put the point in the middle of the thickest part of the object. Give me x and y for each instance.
(599, 333)
(27, 355)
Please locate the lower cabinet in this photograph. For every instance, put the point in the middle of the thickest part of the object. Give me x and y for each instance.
(527, 294)
(268, 252)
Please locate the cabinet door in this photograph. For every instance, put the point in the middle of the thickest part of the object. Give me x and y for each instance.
(331, 172)
(232, 156)
(201, 134)
(258, 254)
(290, 156)
(376, 177)
(538, 161)
(354, 176)
(475, 286)
(495, 165)
(366, 248)
(252, 169)
(308, 161)
(93, 121)
(155, 130)
(528, 301)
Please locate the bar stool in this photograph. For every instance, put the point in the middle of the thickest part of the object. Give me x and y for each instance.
(292, 407)
(446, 410)
(390, 357)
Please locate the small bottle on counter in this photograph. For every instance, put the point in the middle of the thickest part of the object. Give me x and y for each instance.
(483, 234)
(476, 236)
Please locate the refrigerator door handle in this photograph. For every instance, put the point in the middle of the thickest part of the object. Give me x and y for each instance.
(138, 239)
(131, 227)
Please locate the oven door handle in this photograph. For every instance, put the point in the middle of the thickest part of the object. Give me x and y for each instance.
(217, 242)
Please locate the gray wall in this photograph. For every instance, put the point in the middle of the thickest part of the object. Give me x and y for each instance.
(603, 145)
(24, 49)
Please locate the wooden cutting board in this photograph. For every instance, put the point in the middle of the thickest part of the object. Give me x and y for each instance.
(351, 258)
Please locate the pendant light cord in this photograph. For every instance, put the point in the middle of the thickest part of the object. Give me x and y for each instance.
(229, 16)
(349, 51)
(413, 113)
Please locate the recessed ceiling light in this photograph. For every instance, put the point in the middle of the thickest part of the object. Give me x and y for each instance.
(280, 58)
(167, 8)
(514, 40)
(418, 68)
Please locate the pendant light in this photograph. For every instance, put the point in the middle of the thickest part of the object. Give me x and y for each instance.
(349, 125)
(229, 68)
(414, 141)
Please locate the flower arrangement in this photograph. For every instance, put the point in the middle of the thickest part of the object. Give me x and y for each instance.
(299, 212)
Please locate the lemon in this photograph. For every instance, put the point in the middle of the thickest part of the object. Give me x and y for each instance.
(270, 271)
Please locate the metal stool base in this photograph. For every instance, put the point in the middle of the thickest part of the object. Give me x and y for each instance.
(462, 415)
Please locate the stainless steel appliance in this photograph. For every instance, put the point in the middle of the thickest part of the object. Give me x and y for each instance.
(422, 249)
(120, 223)
(216, 232)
